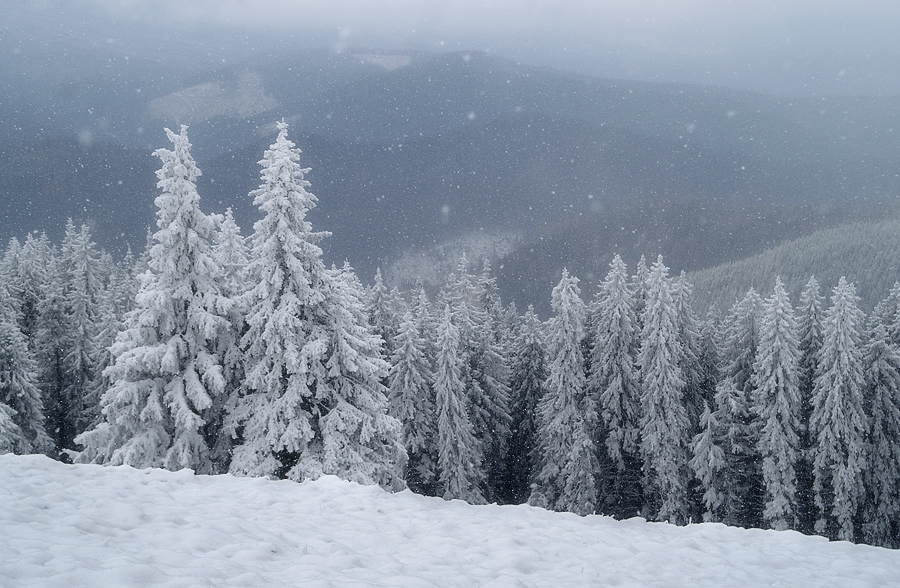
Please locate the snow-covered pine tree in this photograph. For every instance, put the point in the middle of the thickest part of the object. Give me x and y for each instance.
(838, 422)
(484, 376)
(711, 343)
(411, 401)
(459, 453)
(745, 490)
(639, 291)
(887, 314)
(566, 415)
(312, 402)
(230, 253)
(776, 406)
(881, 518)
(360, 441)
(84, 289)
(491, 368)
(114, 302)
(34, 261)
(167, 370)
(689, 335)
(613, 383)
(708, 461)
(810, 311)
(50, 343)
(385, 312)
(22, 418)
(665, 427)
(529, 373)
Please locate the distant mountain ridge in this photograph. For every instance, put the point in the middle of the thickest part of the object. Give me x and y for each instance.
(436, 147)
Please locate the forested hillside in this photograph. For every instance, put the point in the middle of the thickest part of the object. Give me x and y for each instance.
(865, 253)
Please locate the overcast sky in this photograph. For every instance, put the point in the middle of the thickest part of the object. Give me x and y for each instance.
(782, 46)
(671, 23)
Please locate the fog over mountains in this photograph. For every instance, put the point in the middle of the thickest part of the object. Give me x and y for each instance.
(418, 156)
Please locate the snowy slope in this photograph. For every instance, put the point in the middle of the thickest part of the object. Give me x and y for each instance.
(91, 526)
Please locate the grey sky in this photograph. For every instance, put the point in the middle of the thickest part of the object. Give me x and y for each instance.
(670, 22)
(782, 46)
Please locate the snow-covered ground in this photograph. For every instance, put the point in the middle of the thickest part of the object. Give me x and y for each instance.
(73, 526)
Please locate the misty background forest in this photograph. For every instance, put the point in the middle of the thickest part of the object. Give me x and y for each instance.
(492, 278)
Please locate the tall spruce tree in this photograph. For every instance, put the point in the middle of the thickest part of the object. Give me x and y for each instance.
(84, 289)
(484, 375)
(665, 426)
(777, 408)
(312, 402)
(810, 311)
(230, 252)
(529, 373)
(613, 382)
(708, 461)
(734, 401)
(167, 370)
(838, 422)
(689, 336)
(882, 506)
(566, 415)
(51, 344)
(411, 401)
(461, 473)
(21, 407)
(385, 312)
(360, 441)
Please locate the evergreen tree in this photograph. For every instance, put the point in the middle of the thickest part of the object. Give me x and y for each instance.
(838, 421)
(384, 311)
(411, 397)
(21, 409)
(810, 331)
(708, 461)
(230, 252)
(746, 488)
(887, 314)
(613, 383)
(312, 402)
(83, 289)
(50, 345)
(459, 453)
(711, 343)
(529, 373)
(665, 427)
(35, 260)
(491, 368)
(639, 285)
(360, 441)
(114, 302)
(167, 370)
(777, 407)
(566, 415)
(882, 507)
(689, 336)
(484, 375)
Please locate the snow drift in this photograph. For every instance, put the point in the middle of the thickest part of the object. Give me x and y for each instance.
(74, 526)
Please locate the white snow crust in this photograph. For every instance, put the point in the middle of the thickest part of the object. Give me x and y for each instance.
(78, 526)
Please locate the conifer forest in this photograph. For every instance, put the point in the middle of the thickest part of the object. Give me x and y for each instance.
(221, 351)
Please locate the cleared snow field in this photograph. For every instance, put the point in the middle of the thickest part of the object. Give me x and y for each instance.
(72, 526)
